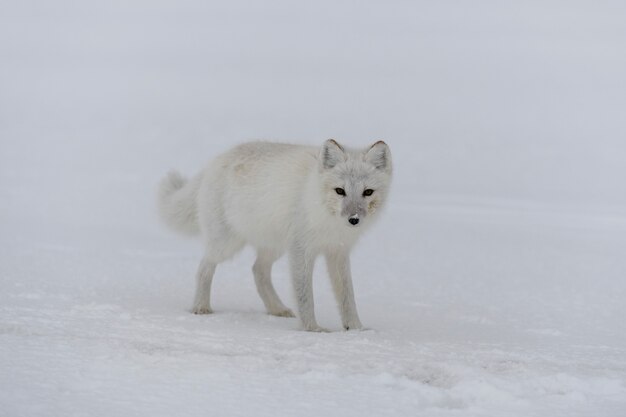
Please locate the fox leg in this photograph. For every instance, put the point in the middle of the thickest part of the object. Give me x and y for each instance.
(262, 271)
(204, 278)
(220, 247)
(339, 271)
(301, 262)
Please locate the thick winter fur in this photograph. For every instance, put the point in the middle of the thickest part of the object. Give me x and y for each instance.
(282, 198)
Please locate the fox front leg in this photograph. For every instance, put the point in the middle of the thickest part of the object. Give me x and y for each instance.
(339, 271)
(301, 262)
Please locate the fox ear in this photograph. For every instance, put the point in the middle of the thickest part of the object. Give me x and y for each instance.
(332, 154)
(379, 155)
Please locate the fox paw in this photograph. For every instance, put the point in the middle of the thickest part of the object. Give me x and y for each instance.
(354, 326)
(201, 310)
(316, 329)
(282, 313)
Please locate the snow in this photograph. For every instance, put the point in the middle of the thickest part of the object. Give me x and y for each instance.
(494, 284)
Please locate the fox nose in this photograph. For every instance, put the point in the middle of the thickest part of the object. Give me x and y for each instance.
(353, 221)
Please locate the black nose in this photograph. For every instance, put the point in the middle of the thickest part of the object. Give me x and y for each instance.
(354, 221)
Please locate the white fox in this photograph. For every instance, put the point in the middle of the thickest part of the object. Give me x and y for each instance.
(282, 198)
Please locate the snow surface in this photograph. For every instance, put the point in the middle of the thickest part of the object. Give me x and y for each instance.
(494, 284)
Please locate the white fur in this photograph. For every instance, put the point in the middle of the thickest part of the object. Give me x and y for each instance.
(281, 198)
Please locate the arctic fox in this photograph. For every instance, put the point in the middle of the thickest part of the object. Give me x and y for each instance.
(281, 198)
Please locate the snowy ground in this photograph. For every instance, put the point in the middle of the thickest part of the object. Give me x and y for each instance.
(494, 284)
(484, 311)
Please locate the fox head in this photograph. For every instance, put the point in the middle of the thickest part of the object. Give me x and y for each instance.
(354, 183)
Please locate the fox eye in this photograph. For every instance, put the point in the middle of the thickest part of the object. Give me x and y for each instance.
(368, 192)
(340, 191)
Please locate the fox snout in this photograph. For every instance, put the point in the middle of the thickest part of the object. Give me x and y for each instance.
(354, 211)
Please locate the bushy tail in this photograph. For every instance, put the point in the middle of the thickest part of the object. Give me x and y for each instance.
(178, 203)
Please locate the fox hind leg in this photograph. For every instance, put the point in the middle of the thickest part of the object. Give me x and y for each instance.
(204, 278)
(217, 251)
(262, 271)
